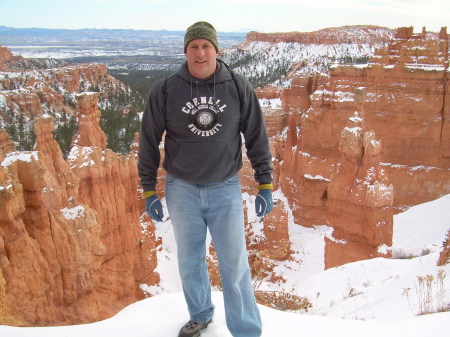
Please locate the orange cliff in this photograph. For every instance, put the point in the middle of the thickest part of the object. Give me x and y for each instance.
(324, 36)
(7, 59)
(360, 197)
(32, 91)
(402, 94)
(406, 105)
(71, 247)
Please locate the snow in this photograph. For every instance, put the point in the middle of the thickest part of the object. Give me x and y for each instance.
(2, 100)
(425, 67)
(417, 99)
(316, 177)
(85, 155)
(264, 55)
(413, 233)
(371, 298)
(68, 51)
(73, 213)
(335, 96)
(354, 130)
(356, 118)
(26, 156)
(274, 103)
(7, 187)
(369, 290)
(342, 96)
(162, 316)
(86, 93)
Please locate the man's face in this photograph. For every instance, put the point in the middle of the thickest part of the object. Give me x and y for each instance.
(201, 58)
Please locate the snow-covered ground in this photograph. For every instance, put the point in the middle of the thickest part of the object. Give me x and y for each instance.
(162, 316)
(378, 297)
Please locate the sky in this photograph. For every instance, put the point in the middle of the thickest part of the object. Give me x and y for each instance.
(226, 15)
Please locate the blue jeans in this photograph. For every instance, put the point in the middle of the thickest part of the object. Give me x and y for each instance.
(194, 208)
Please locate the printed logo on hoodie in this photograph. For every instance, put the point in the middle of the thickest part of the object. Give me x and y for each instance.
(204, 113)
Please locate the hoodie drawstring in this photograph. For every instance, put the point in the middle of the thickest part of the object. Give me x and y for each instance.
(214, 87)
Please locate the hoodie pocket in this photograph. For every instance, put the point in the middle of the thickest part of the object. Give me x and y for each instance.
(203, 162)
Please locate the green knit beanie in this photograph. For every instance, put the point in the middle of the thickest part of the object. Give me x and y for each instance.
(201, 30)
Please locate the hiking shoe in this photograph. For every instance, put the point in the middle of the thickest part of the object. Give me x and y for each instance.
(192, 328)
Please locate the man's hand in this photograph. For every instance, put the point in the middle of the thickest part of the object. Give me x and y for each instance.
(263, 202)
(154, 208)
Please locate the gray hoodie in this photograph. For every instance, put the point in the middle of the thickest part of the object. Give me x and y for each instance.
(203, 120)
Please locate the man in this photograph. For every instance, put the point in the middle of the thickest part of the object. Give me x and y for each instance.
(203, 109)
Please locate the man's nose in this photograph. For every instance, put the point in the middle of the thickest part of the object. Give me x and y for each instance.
(200, 52)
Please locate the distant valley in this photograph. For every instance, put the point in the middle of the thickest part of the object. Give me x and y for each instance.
(117, 48)
(136, 57)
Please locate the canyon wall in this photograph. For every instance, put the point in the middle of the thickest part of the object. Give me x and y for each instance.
(71, 243)
(337, 35)
(32, 87)
(359, 194)
(7, 60)
(407, 106)
(351, 147)
(403, 93)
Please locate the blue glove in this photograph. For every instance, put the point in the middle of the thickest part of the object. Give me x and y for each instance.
(154, 208)
(263, 202)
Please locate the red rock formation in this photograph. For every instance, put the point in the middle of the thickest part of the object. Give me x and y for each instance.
(89, 131)
(109, 184)
(305, 169)
(71, 248)
(6, 59)
(405, 103)
(26, 103)
(73, 76)
(297, 97)
(359, 197)
(276, 234)
(268, 92)
(325, 36)
(51, 250)
(46, 90)
(6, 145)
(407, 107)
